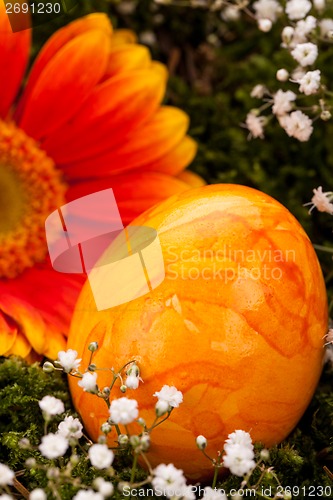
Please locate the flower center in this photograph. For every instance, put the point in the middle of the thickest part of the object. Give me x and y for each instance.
(30, 189)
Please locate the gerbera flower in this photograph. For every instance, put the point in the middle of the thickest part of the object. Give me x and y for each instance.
(88, 118)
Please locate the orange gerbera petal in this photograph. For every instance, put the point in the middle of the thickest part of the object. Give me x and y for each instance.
(21, 346)
(127, 58)
(14, 53)
(55, 343)
(192, 179)
(153, 140)
(113, 110)
(175, 160)
(96, 21)
(29, 323)
(57, 94)
(8, 332)
(122, 36)
(154, 187)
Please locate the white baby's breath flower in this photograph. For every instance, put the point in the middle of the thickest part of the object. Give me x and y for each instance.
(326, 27)
(283, 101)
(305, 53)
(214, 494)
(297, 125)
(310, 82)
(89, 382)
(51, 406)
(267, 9)
(304, 27)
(68, 360)
(123, 411)
(37, 494)
(239, 459)
(132, 382)
(105, 488)
(321, 201)
(168, 479)
(70, 428)
(297, 9)
(255, 125)
(239, 437)
(298, 73)
(100, 456)
(282, 75)
(265, 25)
(258, 91)
(53, 446)
(171, 395)
(6, 475)
(88, 495)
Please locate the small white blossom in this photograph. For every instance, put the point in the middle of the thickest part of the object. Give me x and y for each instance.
(53, 446)
(132, 382)
(297, 9)
(239, 437)
(297, 125)
(168, 479)
(6, 475)
(170, 395)
(310, 82)
(258, 91)
(88, 382)
(70, 428)
(298, 73)
(267, 9)
(214, 494)
(326, 28)
(6, 497)
(283, 101)
(255, 125)
(68, 360)
(88, 495)
(322, 202)
(304, 27)
(239, 459)
(105, 488)
(100, 456)
(51, 406)
(282, 75)
(148, 38)
(305, 53)
(37, 494)
(123, 411)
(265, 25)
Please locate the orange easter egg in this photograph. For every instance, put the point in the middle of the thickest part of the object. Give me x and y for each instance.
(237, 325)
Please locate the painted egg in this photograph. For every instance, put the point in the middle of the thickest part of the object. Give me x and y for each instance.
(237, 325)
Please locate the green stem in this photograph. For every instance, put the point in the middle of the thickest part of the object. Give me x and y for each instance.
(135, 462)
(216, 471)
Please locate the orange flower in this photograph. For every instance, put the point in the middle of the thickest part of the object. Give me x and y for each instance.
(88, 118)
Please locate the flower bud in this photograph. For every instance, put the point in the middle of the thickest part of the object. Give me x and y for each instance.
(30, 463)
(325, 115)
(48, 367)
(201, 442)
(287, 34)
(135, 441)
(264, 454)
(123, 388)
(24, 443)
(92, 367)
(265, 25)
(122, 485)
(106, 392)
(123, 439)
(282, 75)
(161, 407)
(145, 442)
(74, 459)
(106, 428)
(93, 346)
